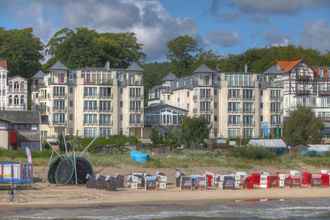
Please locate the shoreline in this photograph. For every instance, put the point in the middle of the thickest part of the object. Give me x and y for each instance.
(79, 199)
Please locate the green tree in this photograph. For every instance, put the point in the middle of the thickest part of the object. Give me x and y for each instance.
(22, 50)
(182, 53)
(194, 131)
(302, 127)
(156, 137)
(84, 47)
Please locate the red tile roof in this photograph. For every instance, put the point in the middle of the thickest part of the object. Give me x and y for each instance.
(287, 65)
(3, 64)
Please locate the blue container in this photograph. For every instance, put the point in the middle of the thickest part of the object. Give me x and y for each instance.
(139, 157)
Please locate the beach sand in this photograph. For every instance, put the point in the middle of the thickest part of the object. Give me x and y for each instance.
(44, 195)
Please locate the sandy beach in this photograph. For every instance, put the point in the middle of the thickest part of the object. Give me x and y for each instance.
(44, 195)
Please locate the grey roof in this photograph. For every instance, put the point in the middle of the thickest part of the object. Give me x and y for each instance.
(204, 69)
(162, 106)
(268, 143)
(169, 77)
(58, 66)
(134, 67)
(38, 75)
(20, 117)
(274, 69)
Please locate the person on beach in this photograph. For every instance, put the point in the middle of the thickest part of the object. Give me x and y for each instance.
(178, 175)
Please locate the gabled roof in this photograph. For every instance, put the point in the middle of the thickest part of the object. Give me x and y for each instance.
(20, 117)
(134, 67)
(288, 65)
(3, 64)
(38, 75)
(203, 69)
(162, 106)
(58, 66)
(169, 77)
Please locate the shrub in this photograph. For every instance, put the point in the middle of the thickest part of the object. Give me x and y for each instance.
(253, 152)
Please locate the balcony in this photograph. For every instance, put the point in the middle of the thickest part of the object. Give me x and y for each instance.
(324, 92)
(235, 97)
(106, 110)
(60, 96)
(60, 109)
(136, 110)
(90, 109)
(276, 98)
(303, 92)
(106, 96)
(304, 78)
(136, 124)
(59, 123)
(248, 97)
(235, 110)
(90, 123)
(98, 82)
(324, 118)
(208, 98)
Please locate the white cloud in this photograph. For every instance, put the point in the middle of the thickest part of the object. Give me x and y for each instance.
(223, 38)
(153, 25)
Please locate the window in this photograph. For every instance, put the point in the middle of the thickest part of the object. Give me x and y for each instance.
(10, 85)
(22, 100)
(105, 106)
(71, 90)
(90, 119)
(16, 86)
(105, 119)
(22, 86)
(90, 132)
(233, 93)
(135, 106)
(71, 103)
(90, 92)
(247, 107)
(105, 91)
(205, 106)
(275, 107)
(105, 132)
(233, 132)
(59, 104)
(233, 106)
(59, 118)
(275, 119)
(135, 92)
(10, 100)
(205, 93)
(16, 101)
(134, 118)
(275, 94)
(59, 91)
(234, 119)
(247, 94)
(90, 105)
(248, 132)
(247, 120)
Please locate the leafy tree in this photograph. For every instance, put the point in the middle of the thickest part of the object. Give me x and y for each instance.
(22, 50)
(194, 131)
(302, 127)
(182, 52)
(156, 137)
(84, 47)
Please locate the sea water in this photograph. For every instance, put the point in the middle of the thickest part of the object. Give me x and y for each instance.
(317, 209)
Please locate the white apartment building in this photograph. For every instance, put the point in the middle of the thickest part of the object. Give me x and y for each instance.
(247, 104)
(90, 102)
(13, 90)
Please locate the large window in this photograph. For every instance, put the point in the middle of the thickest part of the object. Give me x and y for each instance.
(135, 92)
(248, 132)
(234, 119)
(90, 91)
(247, 120)
(59, 104)
(105, 119)
(205, 93)
(247, 107)
(247, 94)
(105, 91)
(275, 94)
(233, 93)
(233, 132)
(105, 132)
(90, 105)
(134, 118)
(90, 132)
(275, 119)
(59, 118)
(90, 119)
(135, 106)
(205, 106)
(275, 107)
(59, 91)
(105, 106)
(233, 106)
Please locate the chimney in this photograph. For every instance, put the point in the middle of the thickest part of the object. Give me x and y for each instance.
(245, 68)
(3, 64)
(107, 65)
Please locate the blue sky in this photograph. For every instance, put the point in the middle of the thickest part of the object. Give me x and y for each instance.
(225, 26)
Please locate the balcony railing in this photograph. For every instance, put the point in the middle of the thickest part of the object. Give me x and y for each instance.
(235, 97)
(60, 109)
(98, 82)
(106, 110)
(303, 92)
(90, 110)
(324, 92)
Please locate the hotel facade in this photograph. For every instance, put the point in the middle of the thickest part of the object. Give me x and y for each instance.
(245, 104)
(89, 102)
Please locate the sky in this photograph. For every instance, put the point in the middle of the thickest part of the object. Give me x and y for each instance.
(224, 26)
